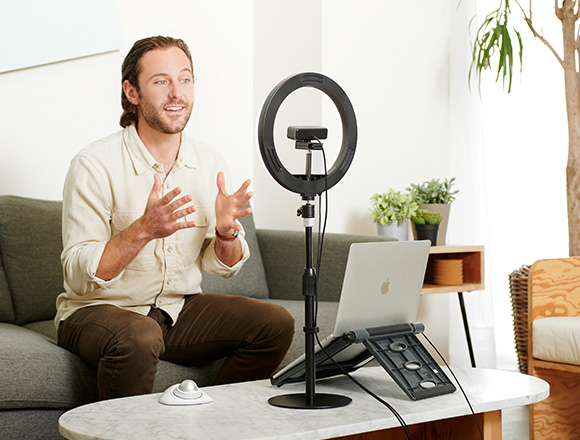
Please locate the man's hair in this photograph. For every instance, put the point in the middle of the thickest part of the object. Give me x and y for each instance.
(132, 67)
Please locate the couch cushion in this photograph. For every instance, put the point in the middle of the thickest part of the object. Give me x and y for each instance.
(36, 373)
(557, 339)
(30, 246)
(45, 328)
(251, 279)
(284, 257)
(6, 307)
(326, 318)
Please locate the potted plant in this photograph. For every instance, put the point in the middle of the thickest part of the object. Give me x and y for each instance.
(391, 212)
(436, 196)
(427, 225)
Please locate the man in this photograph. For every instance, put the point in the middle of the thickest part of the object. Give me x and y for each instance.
(142, 209)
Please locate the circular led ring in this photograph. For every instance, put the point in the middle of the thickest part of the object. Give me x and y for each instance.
(298, 183)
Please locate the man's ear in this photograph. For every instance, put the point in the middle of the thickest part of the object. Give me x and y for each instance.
(130, 92)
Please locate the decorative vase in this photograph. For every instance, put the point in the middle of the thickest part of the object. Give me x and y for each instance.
(440, 208)
(398, 230)
(427, 232)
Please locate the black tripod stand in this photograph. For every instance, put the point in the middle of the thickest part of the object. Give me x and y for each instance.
(308, 186)
(309, 400)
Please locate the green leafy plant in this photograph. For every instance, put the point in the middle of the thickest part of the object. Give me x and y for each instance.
(393, 206)
(434, 191)
(426, 217)
(495, 37)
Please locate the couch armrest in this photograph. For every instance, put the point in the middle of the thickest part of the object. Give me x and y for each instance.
(284, 256)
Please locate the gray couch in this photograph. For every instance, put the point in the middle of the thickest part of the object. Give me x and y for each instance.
(39, 380)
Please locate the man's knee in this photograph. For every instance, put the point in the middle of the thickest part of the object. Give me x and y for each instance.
(141, 337)
(281, 323)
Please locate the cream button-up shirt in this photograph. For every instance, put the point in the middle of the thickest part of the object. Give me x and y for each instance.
(106, 190)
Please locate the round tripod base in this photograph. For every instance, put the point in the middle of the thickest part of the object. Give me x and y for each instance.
(299, 401)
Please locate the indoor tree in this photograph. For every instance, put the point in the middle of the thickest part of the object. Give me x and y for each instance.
(498, 39)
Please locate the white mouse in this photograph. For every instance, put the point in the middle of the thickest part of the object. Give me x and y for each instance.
(184, 393)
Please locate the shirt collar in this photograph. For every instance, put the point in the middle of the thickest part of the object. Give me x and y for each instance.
(142, 158)
(187, 153)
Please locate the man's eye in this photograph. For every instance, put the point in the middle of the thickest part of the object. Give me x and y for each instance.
(161, 82)
(186, 80)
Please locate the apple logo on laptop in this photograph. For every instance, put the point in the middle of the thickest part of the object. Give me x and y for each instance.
(385, 286)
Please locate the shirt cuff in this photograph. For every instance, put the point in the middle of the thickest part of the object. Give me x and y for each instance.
(214, 266)
(90, 259)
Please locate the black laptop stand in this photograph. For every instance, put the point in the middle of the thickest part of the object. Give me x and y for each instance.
(395, 347)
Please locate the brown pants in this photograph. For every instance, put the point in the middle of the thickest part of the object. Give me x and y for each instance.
(124, 347)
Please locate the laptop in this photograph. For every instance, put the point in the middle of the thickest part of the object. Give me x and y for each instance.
(382, 287)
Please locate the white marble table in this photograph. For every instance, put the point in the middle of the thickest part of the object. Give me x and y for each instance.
(241, 411)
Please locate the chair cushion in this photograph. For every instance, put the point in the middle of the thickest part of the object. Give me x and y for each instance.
(557, 339)
(30, 246)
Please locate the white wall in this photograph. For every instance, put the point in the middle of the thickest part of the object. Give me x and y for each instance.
(50, 112)
(286, 42)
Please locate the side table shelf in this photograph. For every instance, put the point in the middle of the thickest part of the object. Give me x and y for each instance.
(473, 278)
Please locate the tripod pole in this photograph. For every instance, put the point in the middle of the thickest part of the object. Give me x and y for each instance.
(309, 292)
(309, 400)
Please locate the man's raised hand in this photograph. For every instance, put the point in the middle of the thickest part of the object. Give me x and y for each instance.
(161, 215)
(229, 207)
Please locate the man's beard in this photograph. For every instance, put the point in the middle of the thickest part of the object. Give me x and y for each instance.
(157, 119)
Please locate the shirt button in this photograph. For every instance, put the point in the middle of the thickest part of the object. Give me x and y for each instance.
(169, 249)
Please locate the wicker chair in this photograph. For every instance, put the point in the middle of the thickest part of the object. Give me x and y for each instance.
(518, 281)
(554, 292)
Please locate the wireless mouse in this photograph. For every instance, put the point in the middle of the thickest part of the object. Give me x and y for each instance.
(184, 393)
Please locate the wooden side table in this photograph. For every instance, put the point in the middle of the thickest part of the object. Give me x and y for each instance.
(473, 278)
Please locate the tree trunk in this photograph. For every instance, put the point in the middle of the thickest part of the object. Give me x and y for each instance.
(572, 87)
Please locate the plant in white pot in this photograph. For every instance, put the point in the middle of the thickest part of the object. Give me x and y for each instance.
(436, 196)
(391, 212)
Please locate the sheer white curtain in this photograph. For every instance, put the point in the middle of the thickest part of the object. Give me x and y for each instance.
(469, 215)
(514, 148)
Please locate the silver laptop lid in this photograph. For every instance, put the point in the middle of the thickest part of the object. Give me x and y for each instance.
(382, 284)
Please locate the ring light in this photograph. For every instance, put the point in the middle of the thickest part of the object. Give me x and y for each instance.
(308, 186)
(297, 183)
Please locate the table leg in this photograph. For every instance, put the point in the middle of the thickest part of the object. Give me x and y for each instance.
(466, 327)
(492, 425)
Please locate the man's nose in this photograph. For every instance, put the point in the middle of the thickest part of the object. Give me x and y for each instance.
(173, 91)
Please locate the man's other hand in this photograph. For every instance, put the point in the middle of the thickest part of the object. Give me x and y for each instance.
(229, 207)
